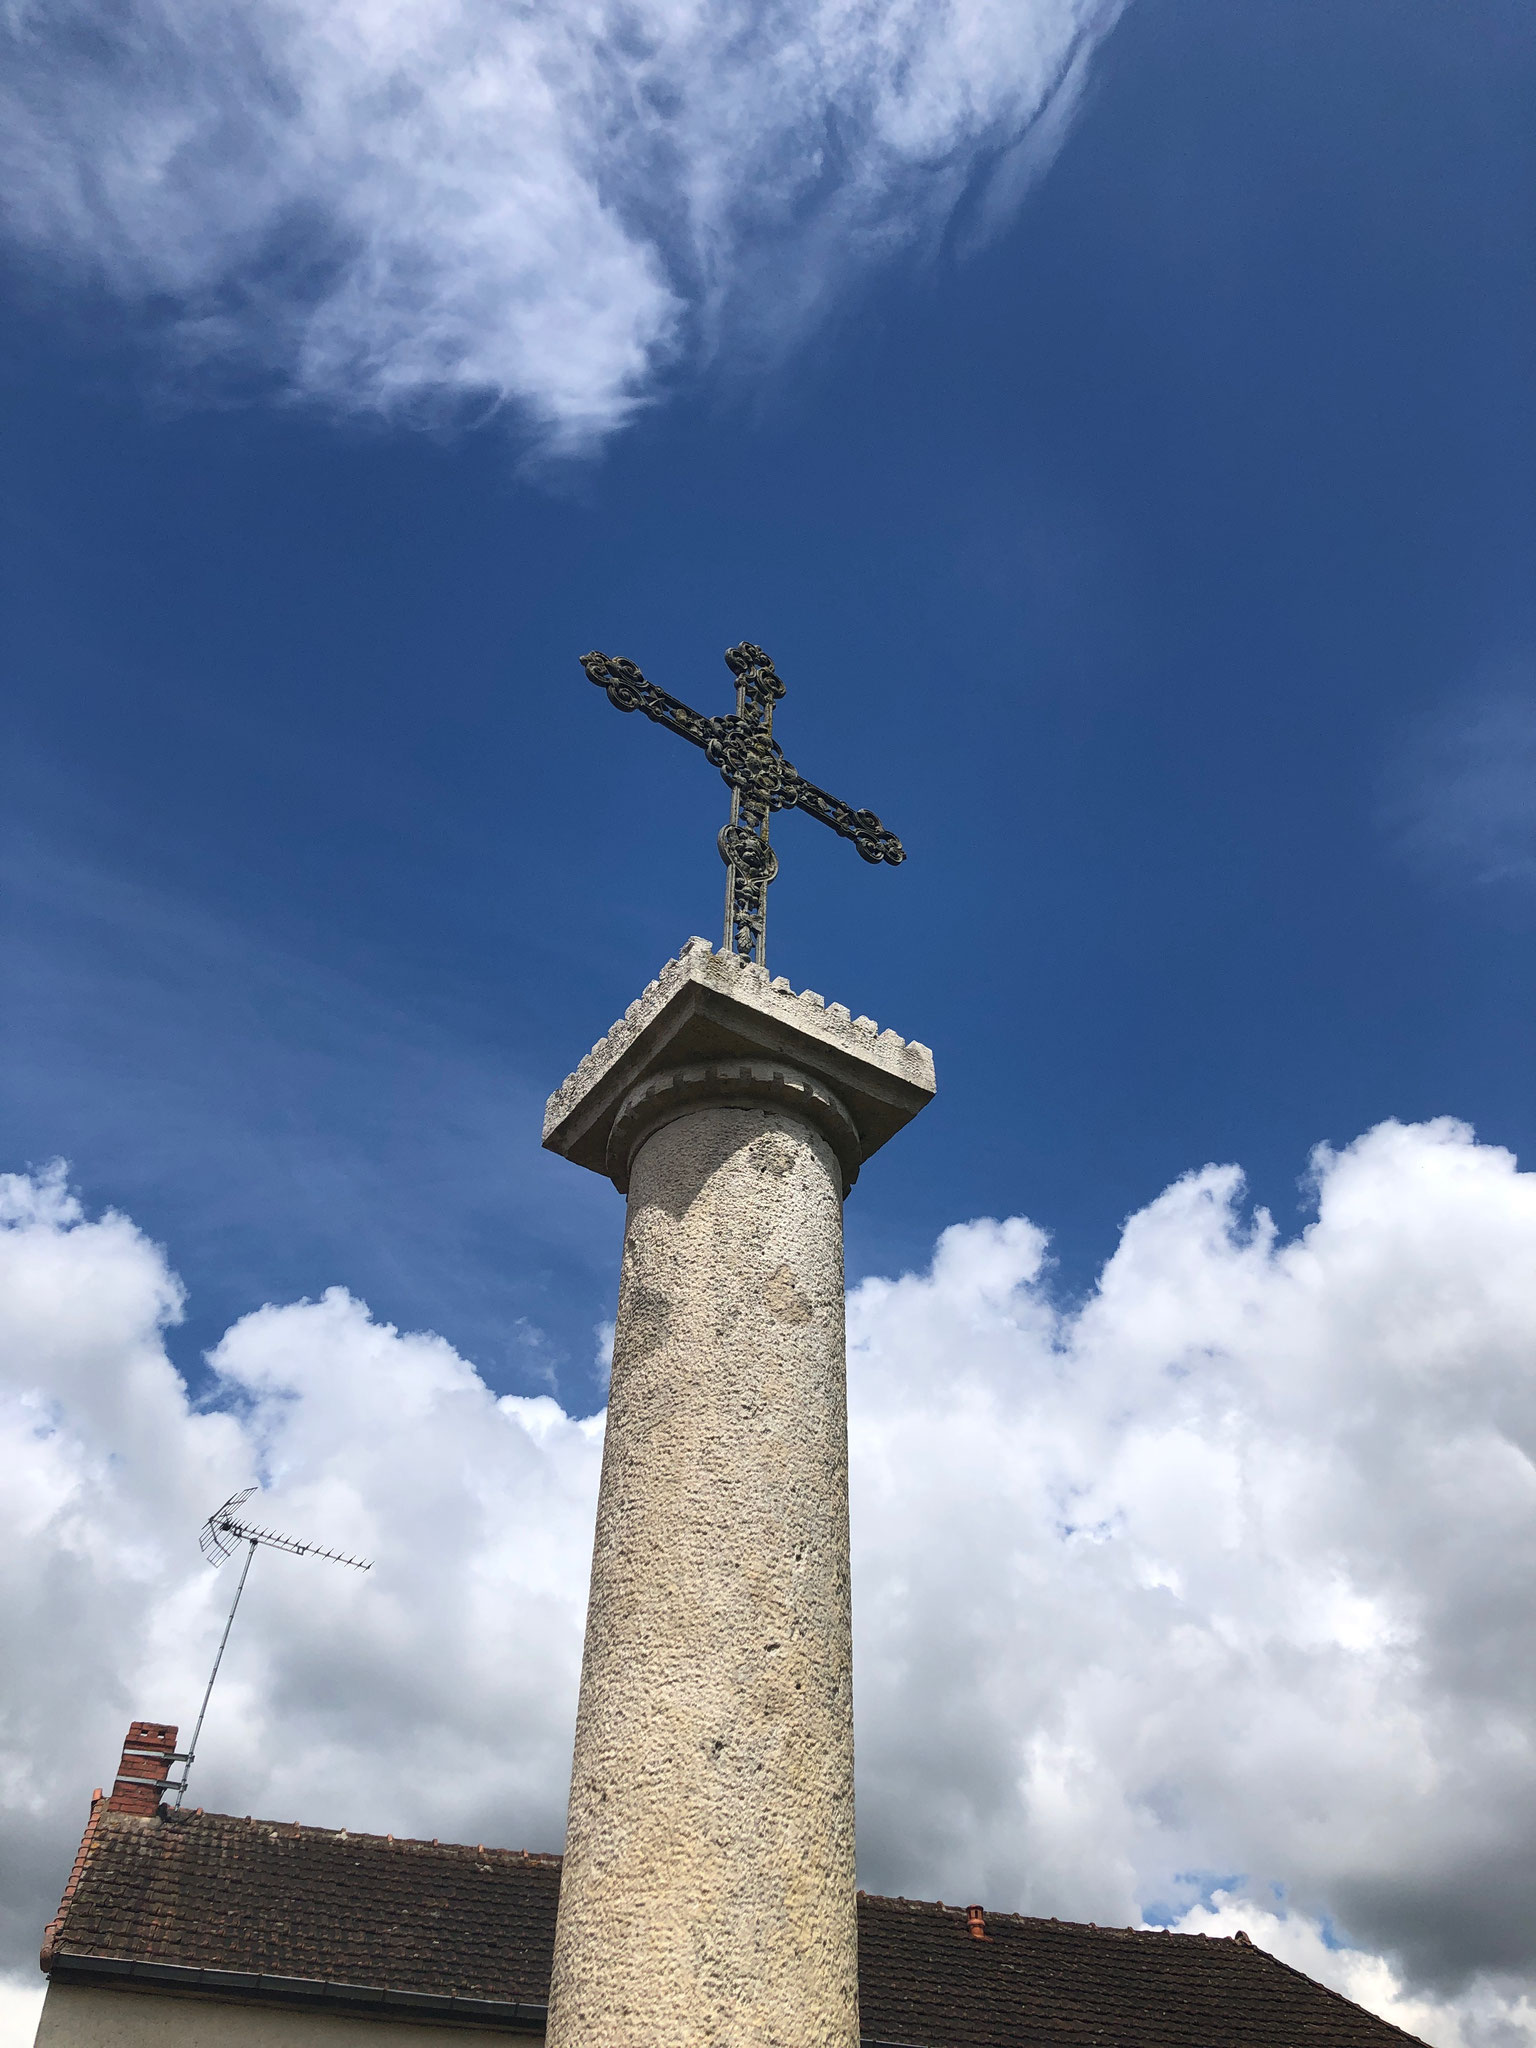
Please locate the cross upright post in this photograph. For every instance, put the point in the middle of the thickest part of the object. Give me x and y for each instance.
(752, 764)
(707, 1891)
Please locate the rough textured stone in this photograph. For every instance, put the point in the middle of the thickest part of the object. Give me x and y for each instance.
(708, 1888)
(706, 1006)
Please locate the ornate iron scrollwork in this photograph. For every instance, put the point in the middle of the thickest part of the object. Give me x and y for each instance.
(752, 765)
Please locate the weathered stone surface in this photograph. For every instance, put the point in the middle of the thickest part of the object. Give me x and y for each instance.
(705, 1007)
(708, 1890)
(708, 1887)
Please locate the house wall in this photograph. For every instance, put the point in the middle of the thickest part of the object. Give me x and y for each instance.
(96, 2016)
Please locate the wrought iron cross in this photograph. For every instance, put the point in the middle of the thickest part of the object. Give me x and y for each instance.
(751, 762)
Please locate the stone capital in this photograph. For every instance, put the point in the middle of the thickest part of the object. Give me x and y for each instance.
(712, 1028)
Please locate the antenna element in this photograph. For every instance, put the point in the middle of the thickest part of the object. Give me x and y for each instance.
(222, 1534)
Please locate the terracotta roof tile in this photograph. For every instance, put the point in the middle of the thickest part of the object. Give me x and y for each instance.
(213, 1892)
(923, 1979)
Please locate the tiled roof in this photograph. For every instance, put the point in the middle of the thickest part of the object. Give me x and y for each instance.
(924, 1979)
(210, 1892)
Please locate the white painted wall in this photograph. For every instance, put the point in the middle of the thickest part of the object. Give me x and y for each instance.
(95, 2016)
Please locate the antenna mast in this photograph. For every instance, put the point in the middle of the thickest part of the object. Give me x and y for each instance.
(222, 1534)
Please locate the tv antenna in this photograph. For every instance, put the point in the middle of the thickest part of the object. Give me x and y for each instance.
(222, 1535)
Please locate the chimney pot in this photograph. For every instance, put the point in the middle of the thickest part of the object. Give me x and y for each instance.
(977, 1919)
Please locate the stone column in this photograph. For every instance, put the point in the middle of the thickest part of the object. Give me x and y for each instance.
(708, 1886)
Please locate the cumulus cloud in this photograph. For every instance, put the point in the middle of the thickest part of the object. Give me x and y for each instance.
(433, 1695)
(1483, 2015)
(411, 204)
(1227, 1576)
(1207, 1601)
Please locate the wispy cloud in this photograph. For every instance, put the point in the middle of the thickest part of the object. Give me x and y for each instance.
(1462, 791)
(423, 205)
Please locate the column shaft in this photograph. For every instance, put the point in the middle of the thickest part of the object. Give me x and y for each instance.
(708, 1889)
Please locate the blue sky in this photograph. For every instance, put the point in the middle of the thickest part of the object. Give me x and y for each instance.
(1119, 423)
(1154, 553)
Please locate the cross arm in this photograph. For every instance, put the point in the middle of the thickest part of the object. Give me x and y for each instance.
(629, 690)
(747, 755)
(875, 842)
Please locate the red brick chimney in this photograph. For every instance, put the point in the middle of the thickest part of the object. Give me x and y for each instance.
(148, 1755)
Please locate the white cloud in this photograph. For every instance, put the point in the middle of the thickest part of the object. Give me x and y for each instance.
(407, 204)
(21, 2005)
(1461, 792)
(1226, 1578)
(1485, 2016)
(433, 1695)
(1210, 1601)
(602, 1356)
